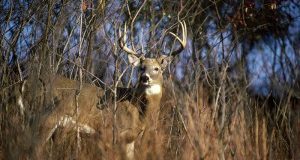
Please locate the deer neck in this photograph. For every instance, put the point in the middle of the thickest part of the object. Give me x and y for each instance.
(149, 98)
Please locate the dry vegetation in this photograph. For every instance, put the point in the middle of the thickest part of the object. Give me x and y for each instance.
(209, 111)
(190, 127)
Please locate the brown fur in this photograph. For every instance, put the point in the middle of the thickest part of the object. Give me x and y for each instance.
(62, 92)
(135, 113)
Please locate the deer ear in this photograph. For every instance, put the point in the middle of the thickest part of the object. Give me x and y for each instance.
(134, 60)
(164, 61)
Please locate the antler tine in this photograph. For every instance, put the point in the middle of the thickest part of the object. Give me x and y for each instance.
(182, 41)
(122, 41)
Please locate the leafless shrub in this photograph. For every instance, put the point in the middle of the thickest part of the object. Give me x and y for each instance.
(220, 101)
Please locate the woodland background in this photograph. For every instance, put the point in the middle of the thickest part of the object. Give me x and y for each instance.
(233, 93)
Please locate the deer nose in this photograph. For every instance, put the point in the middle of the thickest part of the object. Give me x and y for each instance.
(144, 78)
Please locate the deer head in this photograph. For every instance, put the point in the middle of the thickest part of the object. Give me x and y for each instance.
(151, 69)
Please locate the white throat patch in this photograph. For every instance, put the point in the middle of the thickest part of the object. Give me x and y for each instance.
(153, 90)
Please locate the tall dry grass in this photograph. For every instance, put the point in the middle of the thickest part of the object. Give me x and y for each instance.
(192, 125)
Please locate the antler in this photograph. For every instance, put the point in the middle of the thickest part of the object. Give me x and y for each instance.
(122, 41)
(182, 41)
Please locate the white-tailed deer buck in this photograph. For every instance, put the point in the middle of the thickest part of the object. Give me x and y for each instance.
(137, 109)
(145, 97)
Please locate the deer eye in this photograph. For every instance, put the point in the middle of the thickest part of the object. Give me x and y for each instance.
(156, 68)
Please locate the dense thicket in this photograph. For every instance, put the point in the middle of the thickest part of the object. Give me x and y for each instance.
(235, 88)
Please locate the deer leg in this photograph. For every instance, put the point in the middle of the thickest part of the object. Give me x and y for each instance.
(66, 121)
(130, 150)
(128, 138)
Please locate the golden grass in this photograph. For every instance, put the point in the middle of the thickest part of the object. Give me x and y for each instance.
(190, 127)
